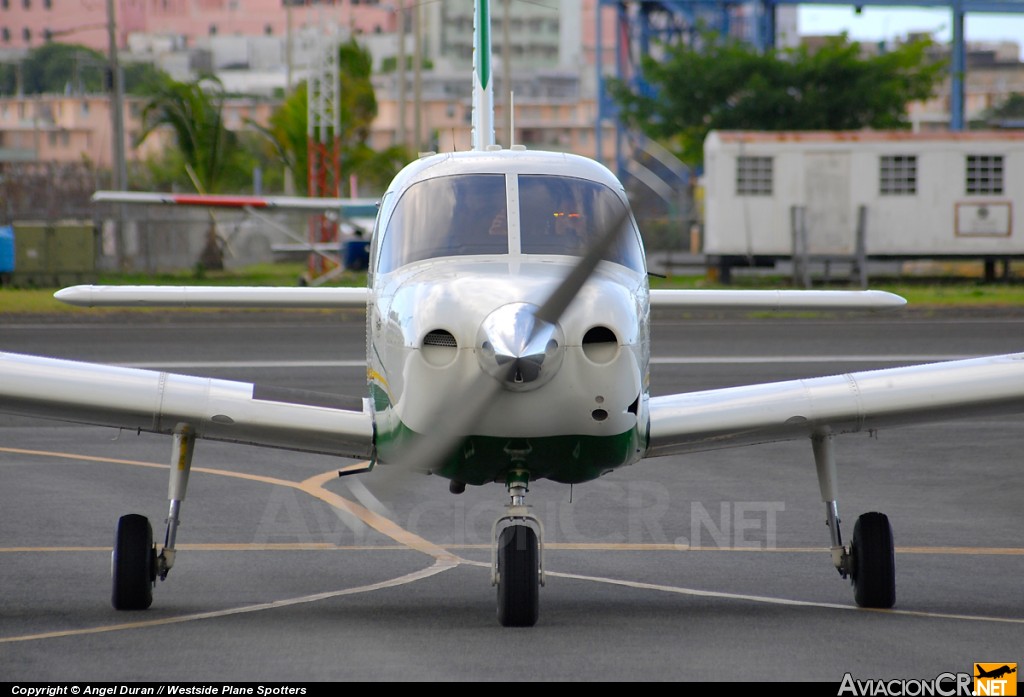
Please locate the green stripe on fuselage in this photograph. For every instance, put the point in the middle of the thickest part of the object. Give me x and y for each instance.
(569, 459)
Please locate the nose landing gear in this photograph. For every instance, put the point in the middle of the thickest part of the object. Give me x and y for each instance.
(517, 566)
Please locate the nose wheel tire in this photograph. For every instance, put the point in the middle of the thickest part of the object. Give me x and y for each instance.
(872, 562)
(133, 564)
(518, 577)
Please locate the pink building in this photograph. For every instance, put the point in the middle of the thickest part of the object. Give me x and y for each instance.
(76, 128)
(28, 23)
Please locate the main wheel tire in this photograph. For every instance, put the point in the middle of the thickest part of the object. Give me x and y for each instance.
(873, 563)
(518, 577)
(133, 564)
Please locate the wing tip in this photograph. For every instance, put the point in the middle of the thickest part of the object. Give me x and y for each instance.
(79, 296)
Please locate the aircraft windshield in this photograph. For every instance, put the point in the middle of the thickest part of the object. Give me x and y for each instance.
(564, 215)
(467, 214)
(447, 216)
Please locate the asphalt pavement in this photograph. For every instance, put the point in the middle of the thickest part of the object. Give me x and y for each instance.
(713, 566)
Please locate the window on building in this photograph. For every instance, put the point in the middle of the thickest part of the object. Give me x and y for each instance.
(48, 4)
(5, 4)
(984, 174)
(5, 33)
(268, 29)
(27, 4)
(753, 176)
(26, 34)
(213, 30)
(897, 174)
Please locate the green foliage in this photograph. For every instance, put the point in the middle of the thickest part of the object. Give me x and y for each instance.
(390, 63)
(140, 77)
(194, 111)
(729, 85)
(288, 125)
(56, 68)
(1010, 108)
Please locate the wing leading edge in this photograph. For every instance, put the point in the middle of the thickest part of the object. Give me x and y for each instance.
(292, 297)
(157, 402)
(847, 403)
(213, 296)
(775, 300)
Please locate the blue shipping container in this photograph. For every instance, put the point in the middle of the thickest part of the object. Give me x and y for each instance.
(6, 249)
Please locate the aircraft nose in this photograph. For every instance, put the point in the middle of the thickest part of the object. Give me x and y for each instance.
(517, 349)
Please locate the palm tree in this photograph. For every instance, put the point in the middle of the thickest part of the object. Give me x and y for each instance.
(194, 111)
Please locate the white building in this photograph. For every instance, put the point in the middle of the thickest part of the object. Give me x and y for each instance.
(926, 195)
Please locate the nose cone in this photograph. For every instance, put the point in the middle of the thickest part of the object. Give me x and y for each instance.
(517, 349)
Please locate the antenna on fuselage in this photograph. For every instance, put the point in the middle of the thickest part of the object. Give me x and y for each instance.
(483, 85)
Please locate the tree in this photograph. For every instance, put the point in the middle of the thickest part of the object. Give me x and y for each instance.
(209, 151)
(358, 108)
(725, 84)
(1008, 113)
(56, 68)
(194, 111)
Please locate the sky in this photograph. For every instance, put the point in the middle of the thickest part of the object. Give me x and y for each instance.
(875, 23)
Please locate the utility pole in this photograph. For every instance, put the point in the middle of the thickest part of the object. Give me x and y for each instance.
(119, 171)
(403, 138)
(417, 85)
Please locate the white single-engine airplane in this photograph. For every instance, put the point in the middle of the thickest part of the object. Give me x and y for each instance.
(508, 341)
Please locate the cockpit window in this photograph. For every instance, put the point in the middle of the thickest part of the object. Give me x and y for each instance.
(467, 214)
(565, 215)
(447, 216)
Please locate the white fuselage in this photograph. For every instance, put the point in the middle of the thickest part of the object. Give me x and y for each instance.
(432, 314)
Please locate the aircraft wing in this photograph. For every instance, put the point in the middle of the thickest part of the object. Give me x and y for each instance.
(863, 401)
(298, 203)
(214, 296)
(296, 297)
(775, 300)
(157, 402)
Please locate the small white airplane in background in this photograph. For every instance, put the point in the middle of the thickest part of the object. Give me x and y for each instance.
(355, 215)
(508, 341)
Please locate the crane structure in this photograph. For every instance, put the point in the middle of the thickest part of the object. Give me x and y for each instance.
(323, 142)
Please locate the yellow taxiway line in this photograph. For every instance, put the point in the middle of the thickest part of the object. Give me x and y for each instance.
(444, 558)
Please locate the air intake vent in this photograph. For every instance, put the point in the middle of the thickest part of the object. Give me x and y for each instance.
(439, 337)
(600, 345)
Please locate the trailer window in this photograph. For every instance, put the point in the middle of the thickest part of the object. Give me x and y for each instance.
(753, 176)
(897, 175)
(984, 174)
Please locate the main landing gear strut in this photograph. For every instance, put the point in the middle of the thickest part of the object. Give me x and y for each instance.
(517, 562)
(135, 564)
(869, 562)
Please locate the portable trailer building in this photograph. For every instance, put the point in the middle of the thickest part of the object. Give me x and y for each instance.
(912, 195)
